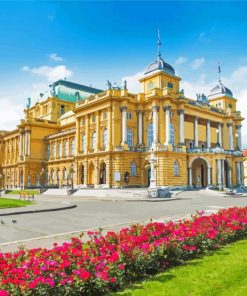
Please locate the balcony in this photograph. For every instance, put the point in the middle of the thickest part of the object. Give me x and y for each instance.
(216, 150)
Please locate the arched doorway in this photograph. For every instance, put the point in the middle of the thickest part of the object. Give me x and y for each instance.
(147, 174)
(82, 174)
(200, 172)
(91, 174)
(102, 173)
(227, 172)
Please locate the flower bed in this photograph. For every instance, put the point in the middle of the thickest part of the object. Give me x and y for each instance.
(107, 263)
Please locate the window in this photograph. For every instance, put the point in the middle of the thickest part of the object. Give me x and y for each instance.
(176, 169)
(60, 150)
(150, 135)
(93, 118)
(83, 121)
(129, 137)
(48, 150)
(54, 150)
(170, 85)
(230, 106)
(73, 147)
(172, 134)
(151, 85)
(84, 142)
(133, 169)
(62, 109)
(66, 148)
(105, 138)
(129, 115)
(94, 135)
(104, 115)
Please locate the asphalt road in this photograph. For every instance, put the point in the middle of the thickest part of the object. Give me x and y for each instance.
(94, 214)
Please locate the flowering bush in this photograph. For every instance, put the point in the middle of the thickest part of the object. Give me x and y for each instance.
(106, 263)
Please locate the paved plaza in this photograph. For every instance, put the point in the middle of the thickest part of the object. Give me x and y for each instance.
(45, 228)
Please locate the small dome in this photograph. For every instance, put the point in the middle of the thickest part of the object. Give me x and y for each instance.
(161, 65)
(220, 90)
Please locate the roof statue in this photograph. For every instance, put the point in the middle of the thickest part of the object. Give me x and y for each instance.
(28, 104)
(115, 86)
(109, 85)
(124, 85)
(202, 99)
(77, 95)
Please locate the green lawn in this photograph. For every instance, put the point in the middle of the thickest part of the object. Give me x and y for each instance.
(13, 203)
(224, 273)
(17, 192)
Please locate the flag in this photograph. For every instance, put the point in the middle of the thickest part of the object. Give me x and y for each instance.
(159, 42)
(219, 69)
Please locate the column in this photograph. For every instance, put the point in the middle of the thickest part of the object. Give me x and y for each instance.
(230, 136)
(220, 134)
(196, 132)
(168, 123)
(190, 177)
(219, 173)
(98, 131)
(155, 124)
(208, 134)
(230, 177)
(110, 129)
(124, 125)
(223, 172)
(87, 134)
(78, 136)
(20, 145)
(209, 176)
(239, 139)
(239, 173)
(181, 128)
(242, 173)
(140, 126)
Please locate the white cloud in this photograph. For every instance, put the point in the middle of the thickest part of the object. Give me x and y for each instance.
(10, 114)
(133, 83)
(197, 63)
(55, 57)
(180, 60)
(50, 73)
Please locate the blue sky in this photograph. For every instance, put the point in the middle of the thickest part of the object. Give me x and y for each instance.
(91, 42)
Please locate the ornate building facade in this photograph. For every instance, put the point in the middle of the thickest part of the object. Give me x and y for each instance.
(245, 167)
(92, 138)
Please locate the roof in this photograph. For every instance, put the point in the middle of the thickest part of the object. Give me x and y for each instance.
(161, 65)
(220, 90)
(72, 92)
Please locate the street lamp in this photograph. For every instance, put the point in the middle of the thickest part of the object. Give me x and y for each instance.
(71, 174)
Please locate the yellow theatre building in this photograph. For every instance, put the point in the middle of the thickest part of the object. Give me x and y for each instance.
(113, 138)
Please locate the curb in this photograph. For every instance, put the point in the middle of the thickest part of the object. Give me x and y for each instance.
(39, 211)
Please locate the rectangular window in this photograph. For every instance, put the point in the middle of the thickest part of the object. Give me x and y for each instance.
(93, 118)
(170, 85)
(129, 115)
(62, 109)
(83, 121)
(104, 115)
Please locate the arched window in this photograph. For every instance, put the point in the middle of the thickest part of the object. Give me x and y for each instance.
(60, 150)
(176, 168)
(172, 134)
(105, 138)
(133, 169)
(150, 135)
(129, 137)
(94, 136)
(54, 150)
(66, 148)
(73, 147)
(64, 174)
(83, 142)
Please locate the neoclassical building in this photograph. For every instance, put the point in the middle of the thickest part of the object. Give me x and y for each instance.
(104, 138)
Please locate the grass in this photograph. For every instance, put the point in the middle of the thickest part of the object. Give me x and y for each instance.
(224, 273)
(13, 203)
(17, 192)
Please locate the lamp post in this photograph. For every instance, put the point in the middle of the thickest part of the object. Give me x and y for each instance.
(71, 173)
